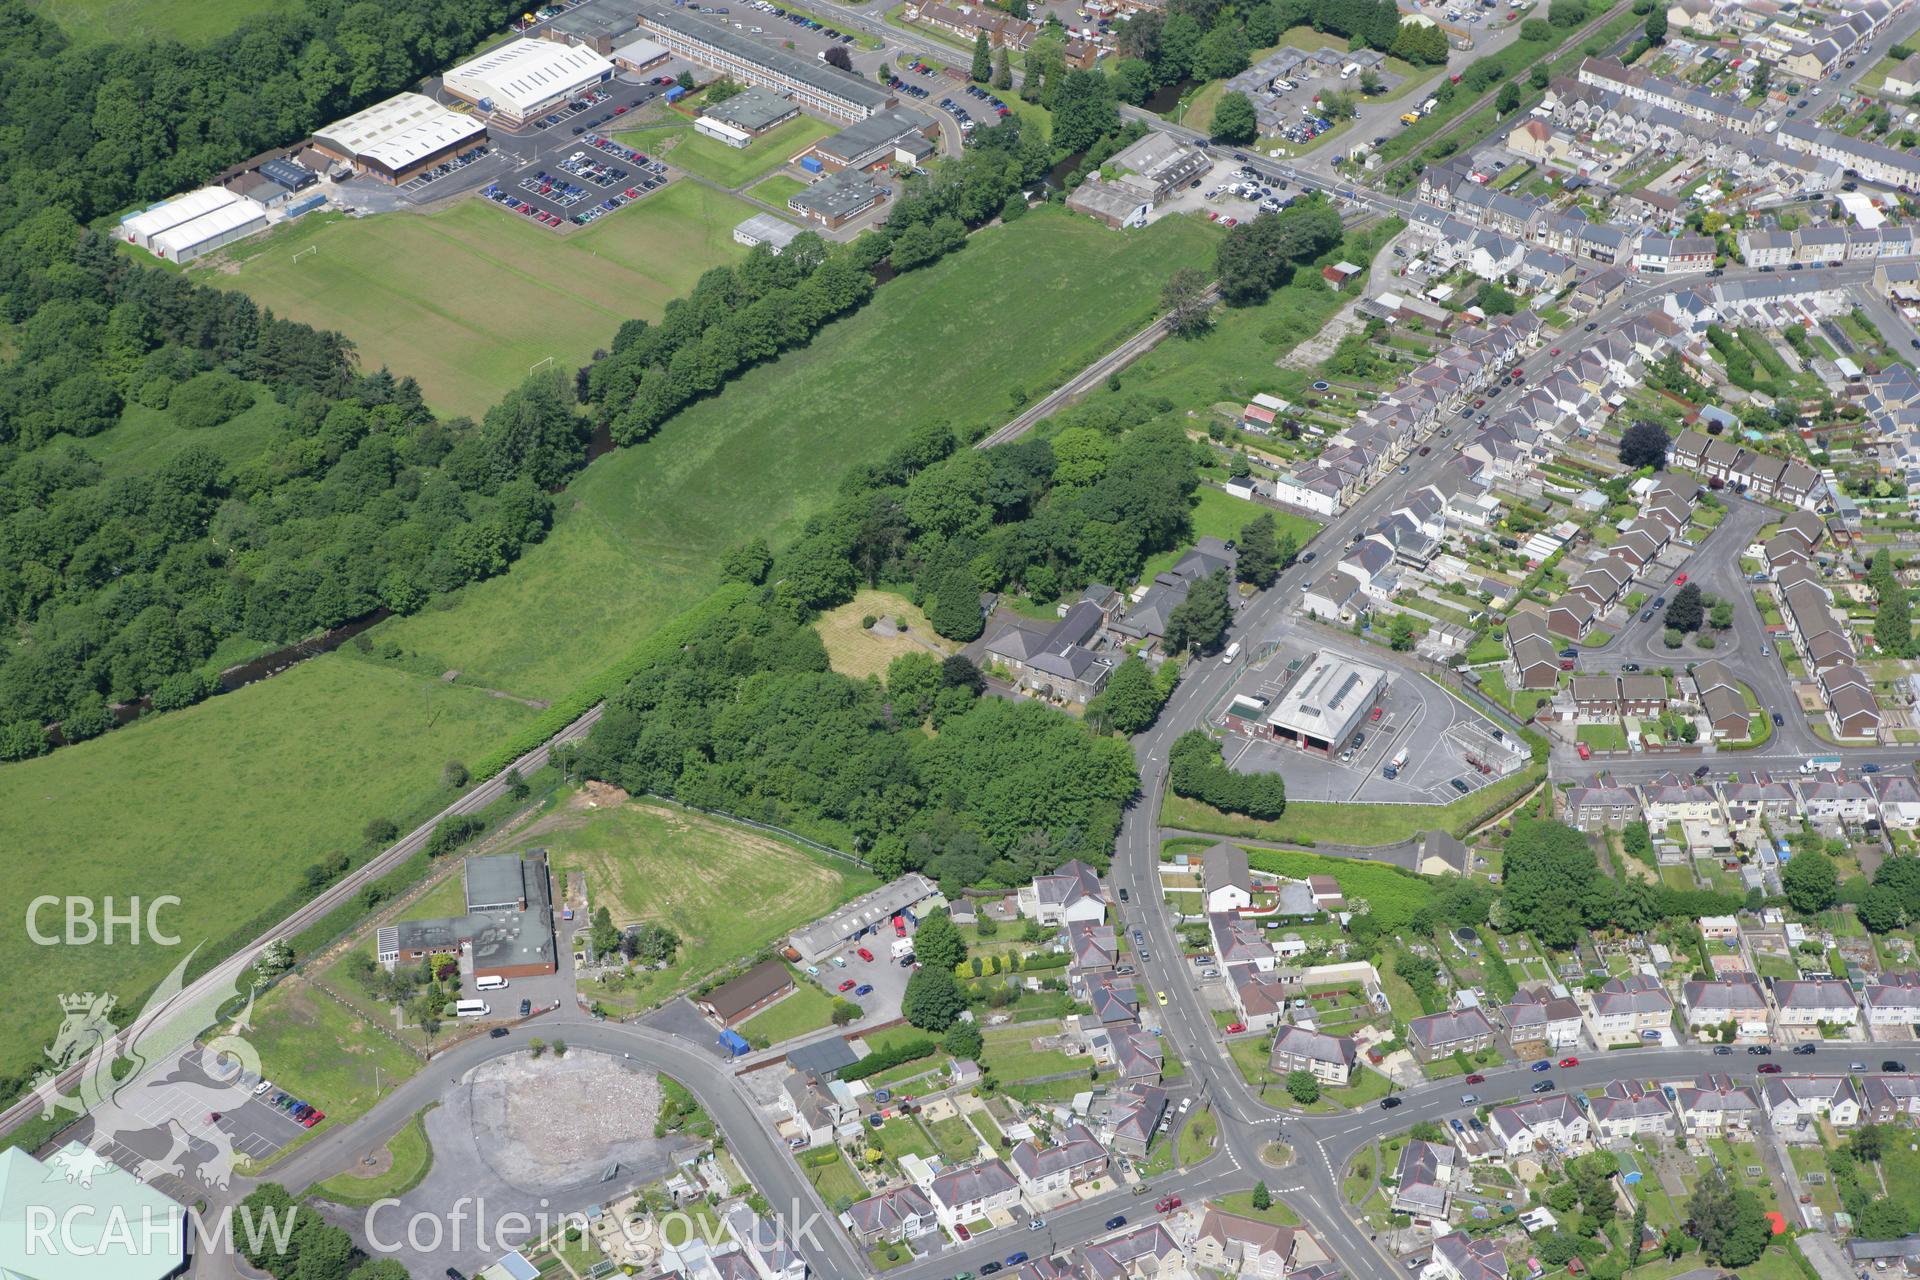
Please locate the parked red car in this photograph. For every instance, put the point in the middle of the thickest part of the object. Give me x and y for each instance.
(864, 954)
(1476, 1078)
(1581, 747)
(1167, 1204)
(1769, 1068)
(1679, 579)
(848, 985)
(1377, 713)
(1235, 1028)
(899, 927)
(1569, 1062)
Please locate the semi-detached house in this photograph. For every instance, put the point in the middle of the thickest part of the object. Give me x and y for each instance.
(1795, 1103)
(1626, 1009)
(1713, 1003)
(1810, 1007)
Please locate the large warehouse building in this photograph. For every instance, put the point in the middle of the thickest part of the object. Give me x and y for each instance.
(140, 228)
(401, 137)
(814, 85)
(523, 79)
(1326, 704)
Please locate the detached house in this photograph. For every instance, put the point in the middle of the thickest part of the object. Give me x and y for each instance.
(1229, 884)
(1073, 894)
(1456, 1257)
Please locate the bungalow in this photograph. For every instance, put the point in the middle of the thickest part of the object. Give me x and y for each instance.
(734, 1002)
(900, 1213)
(1424, 1180)
(1536, 1018)
(972, 1191)
(1812, 1007)
(1072, 894)
(1552, 1121)
(1331, 1059)
(1893, 1005)
(1048, 1170)
(1717, 1002)
(1626, 1009)
(1794, 1102)
(1715, 1104)
(1437, 1035)
(1626, 1109)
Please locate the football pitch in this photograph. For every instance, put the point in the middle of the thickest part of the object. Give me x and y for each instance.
(467, 300)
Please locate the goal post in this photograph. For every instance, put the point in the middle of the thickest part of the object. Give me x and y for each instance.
(302, 253)
(538, 365)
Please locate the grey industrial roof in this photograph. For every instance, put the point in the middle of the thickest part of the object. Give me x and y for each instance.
(817, 75)
(752, 109)
(876, 130)
(837, 195)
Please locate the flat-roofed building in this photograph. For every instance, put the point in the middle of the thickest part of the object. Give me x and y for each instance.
(397, 139)
(897, 135)
(745, 116)
(764, 228)
(838, 198)
(1321, 709)
(525, 79)
(507, 931)
(814, 85)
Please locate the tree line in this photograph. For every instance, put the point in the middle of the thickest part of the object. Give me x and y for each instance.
(123, 584)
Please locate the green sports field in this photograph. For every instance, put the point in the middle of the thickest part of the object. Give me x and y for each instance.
(465, 300)
(221, 805)
(638, 534)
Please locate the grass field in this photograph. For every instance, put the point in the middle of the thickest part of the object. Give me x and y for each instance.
(1012, 1056)
(639, 533)
(807, 1009)
(725, 890)
(958, 1142)
(858, 652)
(189, 21)
(224, 803)
(777, 190)
(409, 1158)
(221, 805)
(1358, 825)
(146, 439)
(731, 166)
(834, 1179)
(467, 299)
(323, 1053)
(1217, 513)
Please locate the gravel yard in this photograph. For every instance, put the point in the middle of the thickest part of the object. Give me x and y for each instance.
(551, 1121)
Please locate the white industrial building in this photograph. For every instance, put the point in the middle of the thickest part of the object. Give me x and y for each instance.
(210, 231)
(140, 228)
(401, 137)
(1321, 709)
(764, 228)
(524, 79)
